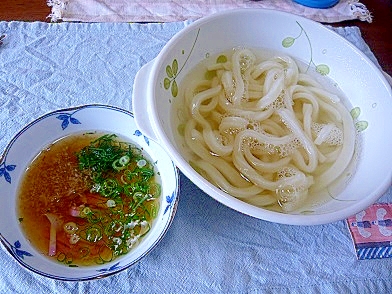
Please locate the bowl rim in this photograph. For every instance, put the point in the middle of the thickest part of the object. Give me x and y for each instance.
(113, 264)
(219, 195)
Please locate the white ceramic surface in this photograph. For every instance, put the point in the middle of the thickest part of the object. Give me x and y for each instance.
(305, 40)
(45, 130)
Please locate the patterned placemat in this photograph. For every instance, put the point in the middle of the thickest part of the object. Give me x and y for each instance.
(371, 231)
(167, 11)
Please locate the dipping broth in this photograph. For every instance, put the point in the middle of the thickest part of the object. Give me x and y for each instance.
(88, 198)
(266, 129)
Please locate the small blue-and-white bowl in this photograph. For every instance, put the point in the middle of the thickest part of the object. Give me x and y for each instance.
(45, 130)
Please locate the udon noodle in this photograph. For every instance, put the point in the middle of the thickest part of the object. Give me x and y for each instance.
(264, 132)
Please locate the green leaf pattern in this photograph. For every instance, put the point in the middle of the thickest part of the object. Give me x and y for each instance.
(360, 125)
(355, 112)
(287, 42)
(322, 69)
(170, 80)
(173, 70)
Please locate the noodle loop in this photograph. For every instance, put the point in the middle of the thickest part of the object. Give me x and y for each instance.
(266, 133)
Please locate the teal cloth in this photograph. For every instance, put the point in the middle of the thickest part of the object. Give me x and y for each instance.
(209, 248)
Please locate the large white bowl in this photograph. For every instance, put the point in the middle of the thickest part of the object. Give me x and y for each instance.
(44, 131)
(305, 40)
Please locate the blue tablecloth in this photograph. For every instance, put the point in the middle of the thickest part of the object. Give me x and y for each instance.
(209, 248)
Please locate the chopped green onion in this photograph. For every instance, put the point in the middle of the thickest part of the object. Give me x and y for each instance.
(85, 211)
(110, 203)
(92, 234)
(155, 190)
(117, 166)
(137, 196)
(94, 217)
(124, 160)
(121, 163)
(110, 187)
(61, 257)
(141, 163)
(154, 208)
(140, 202)
(119, 172)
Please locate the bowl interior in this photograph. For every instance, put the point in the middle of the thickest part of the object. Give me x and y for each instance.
(45, 130)
(304, 40)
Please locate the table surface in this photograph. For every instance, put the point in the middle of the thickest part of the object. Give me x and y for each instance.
(298, 258)
(376, 34)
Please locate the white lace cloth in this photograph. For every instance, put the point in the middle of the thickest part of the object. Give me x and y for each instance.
(177, 10)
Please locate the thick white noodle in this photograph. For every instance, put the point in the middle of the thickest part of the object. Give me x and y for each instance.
(292, 123)
(260, 131)
(346, 152)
